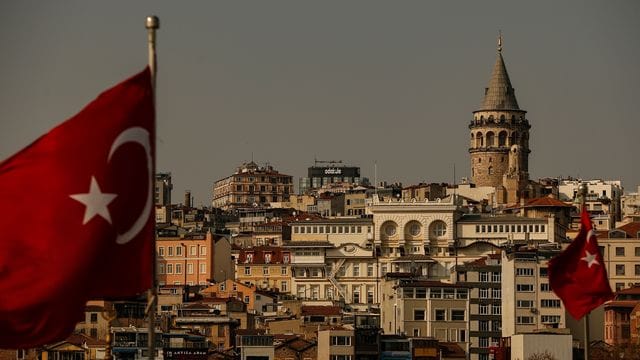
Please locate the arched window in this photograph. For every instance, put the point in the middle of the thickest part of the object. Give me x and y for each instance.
(490, 139)
(437, 229)
(490, 170)
(502, 138)
(479, 139)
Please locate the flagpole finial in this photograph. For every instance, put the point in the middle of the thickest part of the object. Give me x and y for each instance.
(152, 22)
(499, 40)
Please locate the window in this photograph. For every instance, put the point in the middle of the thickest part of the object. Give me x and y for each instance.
(340, 340)
(496, 293)
(161, 251)
(545, 287)
(484, 293)
(496, 309)
(170, 251)
(484, 277)
(340, 357)
(524, 304)
(178, 268)
(246, 299)
(457, 315)
(189, 268)
(284, 286)
(203, 250)
(483, 309)
(448, 293)
(524, 272)
(265, 270)
(223, 286)
(283, 270)
(416, 332)
(421, 293)
(247, 270)
(435, 293)
(94, 318)
(637, 250)
(524, 319)
(496, 277)
(439, 228)
(524, 287)
(547, 319)
(483, 325)
(637, 269)
(484, 342)
(544, 272)
(462, 293)
(169, 268)
(178, 250)
(356, 270)
(370, 270)
(203, 268)
(418, 314)
(619, 251)
(441, 315)
(620, 269)
(193, 251)
(550, 303)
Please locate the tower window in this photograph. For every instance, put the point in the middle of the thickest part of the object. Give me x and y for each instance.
(490, 159)
(490, 170)
(479, 160)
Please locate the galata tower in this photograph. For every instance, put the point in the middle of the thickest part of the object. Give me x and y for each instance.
(499, 146)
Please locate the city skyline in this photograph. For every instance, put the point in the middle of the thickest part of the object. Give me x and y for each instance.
(365, 83)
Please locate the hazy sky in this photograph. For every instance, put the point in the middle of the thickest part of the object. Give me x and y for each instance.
(392, 82)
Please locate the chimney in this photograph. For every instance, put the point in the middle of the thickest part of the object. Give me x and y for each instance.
(187, 198)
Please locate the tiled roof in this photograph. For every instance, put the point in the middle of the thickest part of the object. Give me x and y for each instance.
(546, 202)
(320, 310)
(630, 291)
(499, 95)
(631, 229)
(622, 303)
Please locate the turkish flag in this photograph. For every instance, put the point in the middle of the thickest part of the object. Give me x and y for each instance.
(578, 275)
(77, 216)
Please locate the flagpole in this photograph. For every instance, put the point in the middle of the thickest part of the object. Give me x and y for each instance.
(152, 23)
(582, 193)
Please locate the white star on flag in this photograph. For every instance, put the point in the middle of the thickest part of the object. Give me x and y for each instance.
(95, 201)
(590, 259)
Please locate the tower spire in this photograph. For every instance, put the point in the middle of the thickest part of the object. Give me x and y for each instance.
(499, 95)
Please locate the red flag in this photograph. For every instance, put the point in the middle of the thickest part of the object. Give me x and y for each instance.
(77, 220)
(578, 275)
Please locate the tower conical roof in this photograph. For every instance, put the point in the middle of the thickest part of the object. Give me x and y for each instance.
(499, 95)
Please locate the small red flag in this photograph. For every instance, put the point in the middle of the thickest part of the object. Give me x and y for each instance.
(578, 275)
(77, 220)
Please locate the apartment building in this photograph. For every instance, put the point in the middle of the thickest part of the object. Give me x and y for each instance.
(266, 267)
(252, 185)
(604, 197)
(484, 279)
(336, 344)
(528, 304)
(334, 259)
(186, 260)
(620, 249)
(420, 308)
